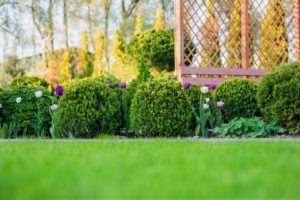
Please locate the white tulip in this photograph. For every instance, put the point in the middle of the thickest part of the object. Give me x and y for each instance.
(220, 103)
(204, 89)
(206, 106)
(18, 99)
(1, 106)
(54, 107)
(207, 100)
(38, 94)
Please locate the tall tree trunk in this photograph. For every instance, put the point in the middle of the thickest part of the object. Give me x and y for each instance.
(107, 6)
(66, 27)
(50, 25)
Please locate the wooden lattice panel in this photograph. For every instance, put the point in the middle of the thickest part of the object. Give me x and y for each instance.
(255, 34)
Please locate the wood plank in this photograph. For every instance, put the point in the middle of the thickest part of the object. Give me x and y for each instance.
(223, 71)
(179, 37)
(203, 81)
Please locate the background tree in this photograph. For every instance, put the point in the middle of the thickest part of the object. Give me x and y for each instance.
(138, 23)
(99, 57)
(85, 67)
(274, 48)
(160, 20)
(65, 66)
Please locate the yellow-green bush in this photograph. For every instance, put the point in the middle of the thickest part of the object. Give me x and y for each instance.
(160, 108)
(279, 96)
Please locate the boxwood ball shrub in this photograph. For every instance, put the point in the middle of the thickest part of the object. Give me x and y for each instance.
(25, 111)
(279, 96)
(239, 96)
(160, 108)
(157, 48)
(89, 107)
(29, 81)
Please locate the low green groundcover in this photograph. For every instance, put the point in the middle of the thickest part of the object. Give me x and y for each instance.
(149, 169)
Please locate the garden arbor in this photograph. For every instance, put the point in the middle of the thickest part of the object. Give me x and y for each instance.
(217, 39)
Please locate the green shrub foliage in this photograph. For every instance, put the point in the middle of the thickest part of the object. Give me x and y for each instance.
(25, 111)
(249, 127)
(160, 108)
(239, 96)
(279, 96)
(157, 48)
(29, 81)
(89, 107)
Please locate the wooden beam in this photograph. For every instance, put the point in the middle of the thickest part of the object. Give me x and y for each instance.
(222, 71)
(179, 37)
(245, 34)
(297, 28)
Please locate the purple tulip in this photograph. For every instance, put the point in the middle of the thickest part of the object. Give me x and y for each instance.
(212, 86)
(122, 85)
(1, 106)
(110, 85)
(59, 90)
(187, 85)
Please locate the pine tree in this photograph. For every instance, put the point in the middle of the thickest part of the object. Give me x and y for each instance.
(65, 67)
(138, 23)
(85, 64)
(210, 52)
(160, 20)
(99, 60)
(274, 48)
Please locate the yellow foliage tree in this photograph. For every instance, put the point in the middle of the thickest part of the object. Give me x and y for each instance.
(120, 68)
(84, 61)
(210, 52)
(160, 20)
(138, 23)
(65, 67)
(274, 47)
(99, 57)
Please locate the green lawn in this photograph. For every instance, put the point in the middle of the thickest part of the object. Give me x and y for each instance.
(149, 169)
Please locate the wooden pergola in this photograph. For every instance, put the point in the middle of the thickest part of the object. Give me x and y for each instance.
(216, 39)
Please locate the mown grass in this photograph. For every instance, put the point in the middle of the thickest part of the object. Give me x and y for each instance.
(164, 169)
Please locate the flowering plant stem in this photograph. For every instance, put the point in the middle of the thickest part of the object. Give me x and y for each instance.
(125, 110)
(38, 127)
(54, 130)
(201, 119)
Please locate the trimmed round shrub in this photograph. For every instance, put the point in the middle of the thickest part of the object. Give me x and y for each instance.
(239, 96)
(157, 48)
(89, 107)
(29, 81)
(25, 111)
(160, 108)
(279, 96)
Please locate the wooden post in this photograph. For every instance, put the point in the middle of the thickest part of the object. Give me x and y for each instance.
(179, 38)
(245, 34)
(297, 29)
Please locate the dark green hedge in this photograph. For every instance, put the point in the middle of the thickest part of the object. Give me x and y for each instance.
(279, 96)
(89, 107)
(25, 111)
(160, 108)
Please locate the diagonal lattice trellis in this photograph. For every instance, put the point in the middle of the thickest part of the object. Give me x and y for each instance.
(255, 34)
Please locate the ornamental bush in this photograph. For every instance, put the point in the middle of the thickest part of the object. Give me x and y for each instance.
(29, 81)
(279, 96)
(25, 111)
(89, 107)
(160, 108)
(156, 47)
(239, 96)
